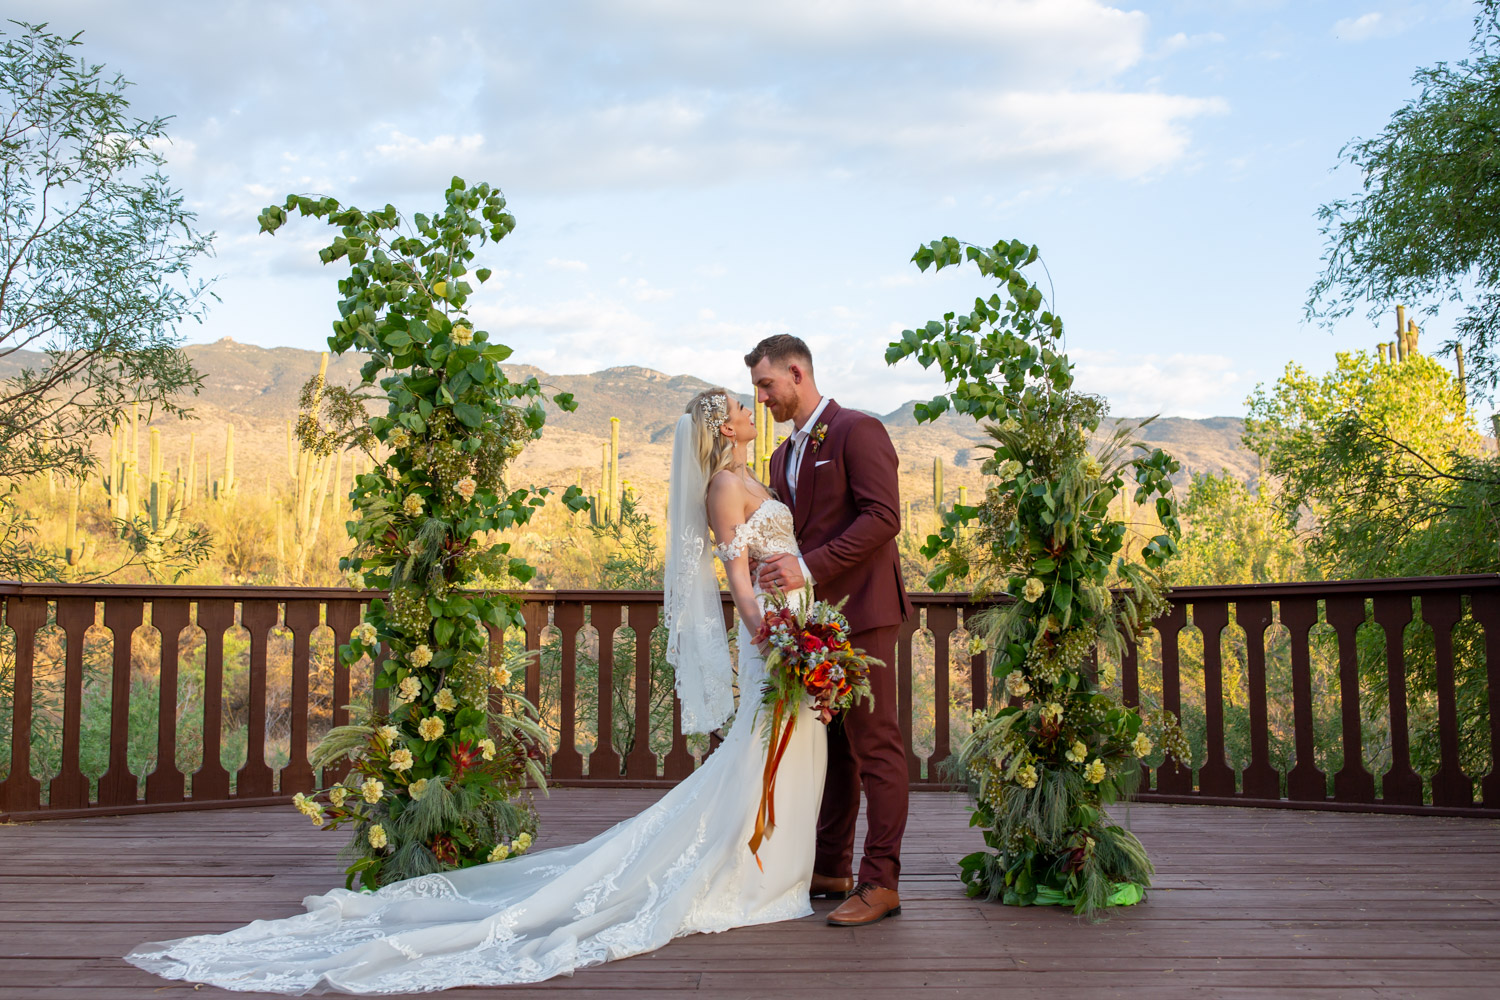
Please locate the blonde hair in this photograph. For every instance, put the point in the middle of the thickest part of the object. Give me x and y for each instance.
(715, 451)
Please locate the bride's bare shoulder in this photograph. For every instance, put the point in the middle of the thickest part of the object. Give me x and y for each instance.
(726, 484)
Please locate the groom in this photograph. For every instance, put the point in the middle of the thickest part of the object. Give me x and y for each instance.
(838, 473)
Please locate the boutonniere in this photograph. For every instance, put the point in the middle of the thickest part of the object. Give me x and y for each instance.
(819, 433)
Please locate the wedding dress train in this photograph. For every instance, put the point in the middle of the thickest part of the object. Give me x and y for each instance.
(682, 866)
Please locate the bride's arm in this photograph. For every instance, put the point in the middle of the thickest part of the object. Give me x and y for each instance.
(726, 515)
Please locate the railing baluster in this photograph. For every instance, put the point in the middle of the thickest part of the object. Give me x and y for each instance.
(1215, 776)
(943, 622)
(118, 786)
(1450, 786)
(21, 791)
(166, 782)
(1172, 778)
(1260, 780)
(1484, 605)
(70, 788)
(256, 779)
(1401, 784)
(1305, 782)
(302, 619)
(640, 763)
(567, 762)
(1353, 782)
(211, 782)
(905, 653)
(604, 762)
(342, 617)
(979, 669)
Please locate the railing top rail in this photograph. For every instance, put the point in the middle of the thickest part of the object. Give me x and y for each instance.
(1231, 592)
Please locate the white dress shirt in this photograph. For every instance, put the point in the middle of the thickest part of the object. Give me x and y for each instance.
(794, 464)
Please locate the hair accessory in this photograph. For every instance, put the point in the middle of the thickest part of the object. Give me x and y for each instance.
(715, 411)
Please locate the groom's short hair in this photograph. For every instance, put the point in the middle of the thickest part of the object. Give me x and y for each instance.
(782, 349)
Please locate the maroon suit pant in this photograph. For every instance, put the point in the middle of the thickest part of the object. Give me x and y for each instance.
(865, 750)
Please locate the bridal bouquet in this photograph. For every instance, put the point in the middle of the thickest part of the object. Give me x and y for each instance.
(808, 653)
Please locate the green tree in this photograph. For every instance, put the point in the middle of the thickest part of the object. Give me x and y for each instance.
(1231, 535)
(96, 249)
(1386, 462)
(1426, 226)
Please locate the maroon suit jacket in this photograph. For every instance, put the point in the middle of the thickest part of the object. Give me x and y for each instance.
(848, 514)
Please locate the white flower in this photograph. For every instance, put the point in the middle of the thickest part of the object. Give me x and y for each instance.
(444, 700)
(408, 689)
(421, 656)
(462, 335)
(401, 760)
(487, 748)
(412, 505)
(1026, 776)
(1077, 753)
(1016, 684)
(500, 853)
(377, 836)
(1034, 590)
(1142, 745)
(372, 789)
(466, 487)
(501, 676)
(337, 794)
(1051, 712)
(366, 633)
(1094, 773)
(390, 733)
(418, 789)
(430, 728)
(316, 817)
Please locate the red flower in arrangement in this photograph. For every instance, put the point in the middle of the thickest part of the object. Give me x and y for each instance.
(812, 644)
(465, 756)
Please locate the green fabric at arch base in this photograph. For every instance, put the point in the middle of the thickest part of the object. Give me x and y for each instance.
(1120, 894)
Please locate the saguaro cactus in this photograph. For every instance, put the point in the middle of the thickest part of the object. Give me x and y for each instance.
(76, 550)
(937, 483)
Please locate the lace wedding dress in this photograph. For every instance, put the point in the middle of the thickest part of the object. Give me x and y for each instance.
(680, 867)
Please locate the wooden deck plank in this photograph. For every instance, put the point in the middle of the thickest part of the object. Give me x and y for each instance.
(1248, 903)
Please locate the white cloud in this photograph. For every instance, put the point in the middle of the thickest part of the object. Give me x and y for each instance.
(563, 264)
(1375, 24)
(1138, 385)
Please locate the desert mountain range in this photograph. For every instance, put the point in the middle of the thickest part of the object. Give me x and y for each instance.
(256, 389)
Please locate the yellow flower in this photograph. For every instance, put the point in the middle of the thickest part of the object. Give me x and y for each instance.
(377, 836)
(421, 656)
(500, 853)
(466, 487)
(462, 335)
(1016, 684)
(412, 505)
(1142, 745)
(390, 733)
(1026, 777)
(444, 700)
(1051, 712)
(502, 676)
(1094, 773)
(366, 633)
(418, 789)
(401, 760)
(398, 438)
(372, 789)
(1077, 753)
(337, 794)
(1034, 589)
(408, 689)
(522, 843)
(487, 748)
(430, 728)
(1091, 468)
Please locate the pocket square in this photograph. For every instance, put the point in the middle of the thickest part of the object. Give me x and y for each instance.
(823, 462)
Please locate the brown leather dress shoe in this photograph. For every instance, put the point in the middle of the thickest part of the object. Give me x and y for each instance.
(869, 904)
(829, 887)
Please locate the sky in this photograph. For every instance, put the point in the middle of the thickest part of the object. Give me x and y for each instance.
(690, 176)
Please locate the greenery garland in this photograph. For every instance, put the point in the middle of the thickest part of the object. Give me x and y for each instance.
(433, 784)
(1044, 766)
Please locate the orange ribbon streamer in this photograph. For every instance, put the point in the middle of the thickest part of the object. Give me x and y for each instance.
(765, 816)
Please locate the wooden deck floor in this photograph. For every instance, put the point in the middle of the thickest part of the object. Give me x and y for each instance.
(1248, 903)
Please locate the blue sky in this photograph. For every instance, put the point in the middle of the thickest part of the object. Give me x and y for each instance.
(690, 176)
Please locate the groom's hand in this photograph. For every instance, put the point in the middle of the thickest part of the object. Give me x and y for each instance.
(782, 572)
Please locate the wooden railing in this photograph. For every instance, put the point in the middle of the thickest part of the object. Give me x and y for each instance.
(1274, 684)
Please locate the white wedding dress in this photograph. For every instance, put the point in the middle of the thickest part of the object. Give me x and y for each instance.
(683, 866)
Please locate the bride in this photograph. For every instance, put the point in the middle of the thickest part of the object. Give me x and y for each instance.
(682, 866)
